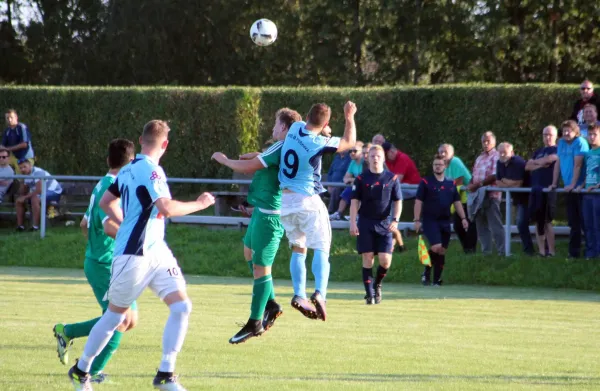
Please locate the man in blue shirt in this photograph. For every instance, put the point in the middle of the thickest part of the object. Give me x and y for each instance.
(571, 150)
(141, 256)
(510, 172)
(435, 196)
(303, 214)
(377, 192)
(590, 118)
(542, 206)
(17, 140)
(336, 173)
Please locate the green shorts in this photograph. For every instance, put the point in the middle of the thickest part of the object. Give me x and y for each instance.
(98, 275)
(263, 236)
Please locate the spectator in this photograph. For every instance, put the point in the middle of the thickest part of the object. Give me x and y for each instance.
(542, 206)
(435, 196)
(487, 217)
(354, 170)
(5, 170)
(511, 173)
(570, 151)
(31, 192)
(378, 139)
(590, 117)
(17, 139)
(459, 173)
(402, 165)
(365, 152)
(591, 202)
(587, 96)
(336, 173)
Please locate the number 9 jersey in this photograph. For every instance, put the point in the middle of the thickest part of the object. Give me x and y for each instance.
(300, 165)
(139, 185)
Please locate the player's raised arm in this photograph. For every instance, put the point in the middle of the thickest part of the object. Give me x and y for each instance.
(349, 139)
(242, 166)
(172, 208)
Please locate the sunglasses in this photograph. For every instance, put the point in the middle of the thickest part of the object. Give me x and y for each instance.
(585, 88)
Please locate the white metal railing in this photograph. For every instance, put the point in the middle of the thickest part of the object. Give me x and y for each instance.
(507, 191)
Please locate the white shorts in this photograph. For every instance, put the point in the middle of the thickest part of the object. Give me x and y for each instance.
(306, 221)
(131, 274)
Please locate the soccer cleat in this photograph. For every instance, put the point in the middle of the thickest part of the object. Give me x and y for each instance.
(167, 383)
(62, 343)
(369, 300)
(335, 216)
(319, 303)
(251, 329)
(437, 283)
(377, 293)
(272, 311)
(305, 307)
(81, 381)
(98, 378)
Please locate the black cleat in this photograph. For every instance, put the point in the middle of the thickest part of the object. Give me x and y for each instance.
(81, 380)
(369, 300)
(272, 311)
(377, 293)
(319, 303)
(251, 329)
(401, 248)
(305, 307)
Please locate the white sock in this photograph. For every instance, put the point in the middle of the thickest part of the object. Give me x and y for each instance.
(174, 334)
(99, 336)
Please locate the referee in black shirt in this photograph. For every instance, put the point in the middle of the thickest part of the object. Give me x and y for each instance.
(375, 191)
(435, 196)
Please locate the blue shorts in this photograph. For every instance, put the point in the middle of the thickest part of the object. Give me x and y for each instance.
(347, 195)
(374, 236)
(436, 232)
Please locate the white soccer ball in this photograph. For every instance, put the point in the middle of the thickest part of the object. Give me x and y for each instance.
(263, 32)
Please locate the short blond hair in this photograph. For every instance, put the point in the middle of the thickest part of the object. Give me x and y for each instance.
(377, 147)
(154, 131)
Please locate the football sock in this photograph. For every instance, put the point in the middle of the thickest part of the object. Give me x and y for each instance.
(251, 268)
(381, 272)
(260, 296)
(174, 334)
(99, 336)
(298, 272)
(271, 291)
(81, 329)
(320, 269)
(100, 362)
(438, 267)
(367, 273)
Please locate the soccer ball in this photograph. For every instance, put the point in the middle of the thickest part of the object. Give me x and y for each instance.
(263, 32)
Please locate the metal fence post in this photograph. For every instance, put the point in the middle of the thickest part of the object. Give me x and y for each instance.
(43, 210)
(507, 227)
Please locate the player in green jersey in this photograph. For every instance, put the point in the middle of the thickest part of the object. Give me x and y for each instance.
(100, 232)
(265, 231)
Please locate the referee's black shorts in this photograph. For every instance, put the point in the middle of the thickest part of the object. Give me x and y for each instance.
(436, 232)
(374, 236)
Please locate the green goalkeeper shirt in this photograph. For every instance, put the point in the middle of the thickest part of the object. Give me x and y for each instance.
(264, 190)
(99, 245)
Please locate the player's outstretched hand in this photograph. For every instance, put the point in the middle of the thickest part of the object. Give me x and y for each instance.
(219, 157)
(353, 229)
(206, 199)
(349, 109)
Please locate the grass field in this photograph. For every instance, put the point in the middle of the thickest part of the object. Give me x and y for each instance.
(449, 338)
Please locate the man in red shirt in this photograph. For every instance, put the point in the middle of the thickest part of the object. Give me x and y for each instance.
(401, 164)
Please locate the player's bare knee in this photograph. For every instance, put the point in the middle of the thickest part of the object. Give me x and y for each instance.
(436, 248)
(300, 250)
(261, 271)
(368, 260)
(385, 260)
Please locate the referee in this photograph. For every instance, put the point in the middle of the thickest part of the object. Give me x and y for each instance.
(374, 193)
(435, 196)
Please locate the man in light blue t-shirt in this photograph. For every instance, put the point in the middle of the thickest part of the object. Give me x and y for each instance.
(571, 150)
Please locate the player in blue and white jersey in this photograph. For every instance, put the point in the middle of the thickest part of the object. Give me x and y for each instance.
(141, 256)
(303, 214)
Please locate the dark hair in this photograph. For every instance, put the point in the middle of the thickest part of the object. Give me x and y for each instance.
(288, 116)
(120, 152)
(319, 114)
(593, 128)
(437, 156)
(155, 130)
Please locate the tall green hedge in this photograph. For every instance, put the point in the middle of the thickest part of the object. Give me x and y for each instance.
(71, 126)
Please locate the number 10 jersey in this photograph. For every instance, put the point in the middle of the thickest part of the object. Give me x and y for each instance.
(300, 166)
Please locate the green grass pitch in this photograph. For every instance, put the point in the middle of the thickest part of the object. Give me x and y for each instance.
(450, 338)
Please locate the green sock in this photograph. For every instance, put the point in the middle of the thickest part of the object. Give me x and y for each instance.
(251, 268)
(260, 296)
(272, 293)
(102, 359)
(81, 329)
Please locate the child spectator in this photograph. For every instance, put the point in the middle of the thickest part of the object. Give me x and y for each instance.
(591, 202)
